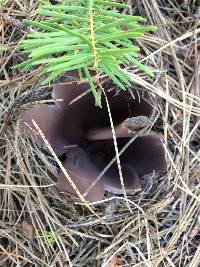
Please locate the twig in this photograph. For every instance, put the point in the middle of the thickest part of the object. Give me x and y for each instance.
(17, 24)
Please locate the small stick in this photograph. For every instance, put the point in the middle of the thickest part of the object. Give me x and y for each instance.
(18, 24)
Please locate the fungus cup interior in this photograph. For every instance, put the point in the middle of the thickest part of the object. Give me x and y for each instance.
(80, 130)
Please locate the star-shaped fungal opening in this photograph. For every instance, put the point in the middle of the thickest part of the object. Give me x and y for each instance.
(75, 127)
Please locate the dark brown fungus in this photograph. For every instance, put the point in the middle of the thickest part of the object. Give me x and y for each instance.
(80, 130)
(83, 172)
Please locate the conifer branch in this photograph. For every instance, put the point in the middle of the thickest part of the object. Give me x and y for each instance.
(84, 35)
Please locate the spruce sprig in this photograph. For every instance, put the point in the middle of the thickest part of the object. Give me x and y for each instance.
(84, 35)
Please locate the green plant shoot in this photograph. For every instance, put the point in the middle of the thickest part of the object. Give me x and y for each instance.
(84, 35)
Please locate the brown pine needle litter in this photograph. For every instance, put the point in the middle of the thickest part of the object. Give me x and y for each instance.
(158, 226)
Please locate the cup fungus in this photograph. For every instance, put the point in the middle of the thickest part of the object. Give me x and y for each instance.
(78, 129)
